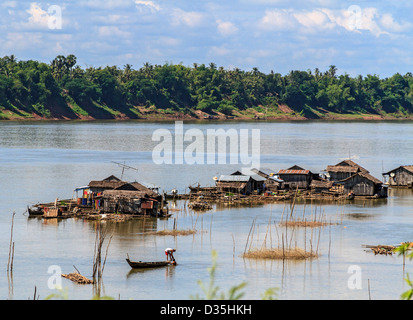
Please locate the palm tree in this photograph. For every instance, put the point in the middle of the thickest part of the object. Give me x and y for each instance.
(127, 72)
(332, 71)
(148, 70)
(57, 67)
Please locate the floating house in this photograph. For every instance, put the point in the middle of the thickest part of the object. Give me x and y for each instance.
(234, 184)
(296, 177)
(344, 170)
(238, 182)
(320, 186)
(272, 182)
(108, 183)
(400, 177)
(363, 184)
(112, 195)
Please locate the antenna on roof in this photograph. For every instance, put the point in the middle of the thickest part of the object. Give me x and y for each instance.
(124, 166)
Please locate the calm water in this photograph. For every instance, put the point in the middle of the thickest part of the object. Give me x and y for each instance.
(42, 161)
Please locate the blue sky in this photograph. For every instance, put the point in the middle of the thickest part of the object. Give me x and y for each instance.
(359, 37)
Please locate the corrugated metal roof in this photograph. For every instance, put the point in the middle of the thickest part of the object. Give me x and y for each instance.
(257, 177)
(286, 171)
(234, 178)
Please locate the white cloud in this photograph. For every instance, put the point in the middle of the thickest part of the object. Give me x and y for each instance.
(356, 19)
(188, 18)
(226, 28)
(38, 17)
(147, 5)
(314, 20)
(353, 19)
(112, 31)
(219, 51)
(107, 4)
(388, 22)
(278, 19)
(9, 4)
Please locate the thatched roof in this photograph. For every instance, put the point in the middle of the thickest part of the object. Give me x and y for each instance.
(343, 169)
(365, 175)
(129, 194)
(350, 163)
(407, 168)
(110, 182)
(113, 183)
(321, 184)
(233, 185)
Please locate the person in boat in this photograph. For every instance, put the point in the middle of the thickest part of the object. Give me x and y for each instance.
(169, 254)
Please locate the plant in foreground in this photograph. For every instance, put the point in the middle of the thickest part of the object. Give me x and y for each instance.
(403, 250)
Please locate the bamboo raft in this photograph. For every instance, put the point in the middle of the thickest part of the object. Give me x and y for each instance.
(381, 249)
(78, 278)
(199, 205)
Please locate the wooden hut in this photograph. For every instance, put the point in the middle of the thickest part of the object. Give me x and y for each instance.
(235, 184)
(114, 183)
(113, 195)
(363, 184)
(344, 170)
(400, 177)
(109, 183)
(320, 186)
(129, 202)
(253, 183)
(272, 183)
(296, 177)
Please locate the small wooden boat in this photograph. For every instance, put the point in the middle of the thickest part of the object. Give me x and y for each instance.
(148, 264)
(35, 211)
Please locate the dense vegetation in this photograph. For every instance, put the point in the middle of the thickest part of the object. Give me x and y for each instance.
(62, 89)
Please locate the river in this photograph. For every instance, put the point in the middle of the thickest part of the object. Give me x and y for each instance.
(42, 161)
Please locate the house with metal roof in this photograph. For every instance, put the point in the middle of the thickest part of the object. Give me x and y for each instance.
(296, 177)
(272, 182)
(240, 183)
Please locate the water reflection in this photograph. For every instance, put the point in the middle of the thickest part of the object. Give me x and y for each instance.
(167, 271)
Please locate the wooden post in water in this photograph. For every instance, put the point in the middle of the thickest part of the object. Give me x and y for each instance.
(11, 247)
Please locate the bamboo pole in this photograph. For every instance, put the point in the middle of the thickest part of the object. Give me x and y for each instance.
(11, 247)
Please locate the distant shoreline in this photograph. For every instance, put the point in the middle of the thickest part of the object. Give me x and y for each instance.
(153, 116)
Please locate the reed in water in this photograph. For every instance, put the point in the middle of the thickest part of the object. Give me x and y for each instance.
(287, 247)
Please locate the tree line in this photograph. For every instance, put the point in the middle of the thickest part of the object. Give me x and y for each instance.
(62, 88)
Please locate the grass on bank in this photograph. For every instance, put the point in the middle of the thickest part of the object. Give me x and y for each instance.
(280, 254)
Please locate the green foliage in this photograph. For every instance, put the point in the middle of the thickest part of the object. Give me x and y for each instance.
(409, 293)
(405, 250)
(27, 85)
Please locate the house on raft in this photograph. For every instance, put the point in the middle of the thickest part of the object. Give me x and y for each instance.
(321, 186)
(400, 177)
(363, 184)
(296, 177)
(272, 182)
(240, 183)
(112, 195)
(343, 170)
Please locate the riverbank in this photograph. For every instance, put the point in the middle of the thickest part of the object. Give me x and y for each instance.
(151, 114)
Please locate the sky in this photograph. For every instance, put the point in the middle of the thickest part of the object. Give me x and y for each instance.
(359, 37)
